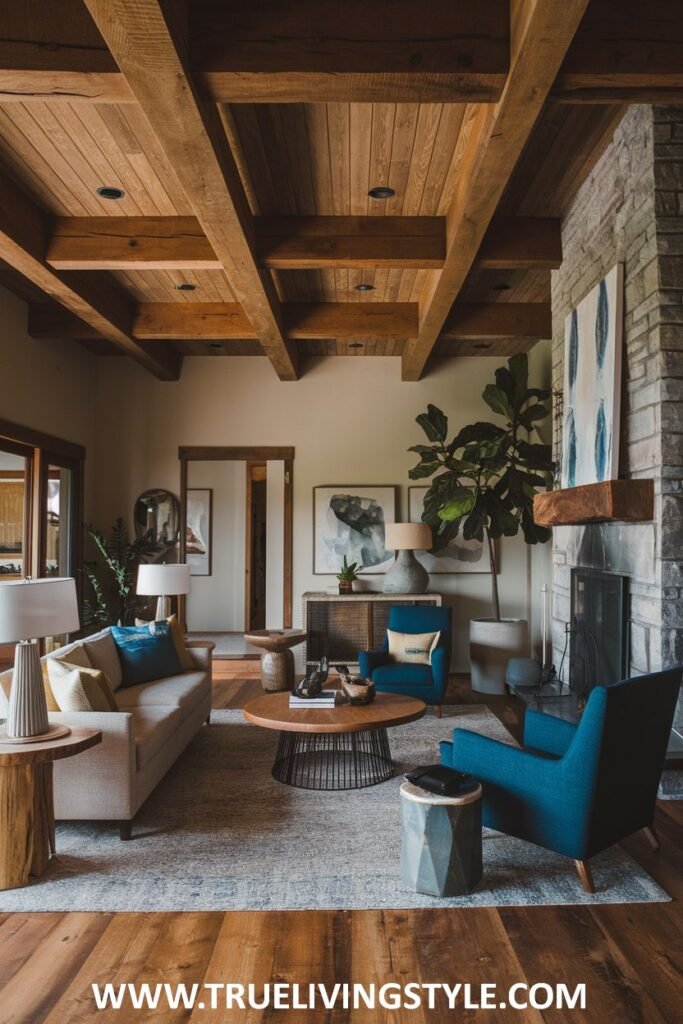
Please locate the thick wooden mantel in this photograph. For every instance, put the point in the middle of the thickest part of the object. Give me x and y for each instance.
(610, 501)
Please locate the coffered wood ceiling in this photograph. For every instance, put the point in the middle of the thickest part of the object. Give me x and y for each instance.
(246, 139)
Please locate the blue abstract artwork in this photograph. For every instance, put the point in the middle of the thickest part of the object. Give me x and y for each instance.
(592, 384)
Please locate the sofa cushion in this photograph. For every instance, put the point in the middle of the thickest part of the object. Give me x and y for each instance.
(178, 639)
(103, 654)
(79, 689)
(73, 654)
(146, 652)
(152, 729)
(403, 675)
(179, 691)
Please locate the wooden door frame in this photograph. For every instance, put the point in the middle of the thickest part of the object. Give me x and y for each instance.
(264, 453)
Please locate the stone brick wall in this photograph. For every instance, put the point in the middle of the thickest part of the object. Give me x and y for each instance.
(630, 210)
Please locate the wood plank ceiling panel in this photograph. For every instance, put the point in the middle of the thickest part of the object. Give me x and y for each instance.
(323, 159)
(62, 152)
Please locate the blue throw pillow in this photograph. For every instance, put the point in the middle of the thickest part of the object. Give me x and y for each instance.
(146, 652)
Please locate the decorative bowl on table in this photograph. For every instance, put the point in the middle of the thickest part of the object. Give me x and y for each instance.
(358, 690)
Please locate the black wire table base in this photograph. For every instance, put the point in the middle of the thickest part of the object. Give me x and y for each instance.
(337, 760)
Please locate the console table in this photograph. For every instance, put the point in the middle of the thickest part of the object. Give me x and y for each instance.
(341, 625)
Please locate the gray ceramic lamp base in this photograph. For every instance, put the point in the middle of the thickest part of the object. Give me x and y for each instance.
(406, 576)
(27, 712)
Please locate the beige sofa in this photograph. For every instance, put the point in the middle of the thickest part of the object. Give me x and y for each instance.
(139, 743)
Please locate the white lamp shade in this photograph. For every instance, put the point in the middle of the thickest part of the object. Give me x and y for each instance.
(30, 609)
(408, 537)
(159, 579)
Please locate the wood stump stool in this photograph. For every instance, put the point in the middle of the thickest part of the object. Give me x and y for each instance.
(277, 660)
(27, 819)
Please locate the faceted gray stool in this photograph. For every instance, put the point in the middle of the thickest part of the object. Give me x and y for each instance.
(441, 848)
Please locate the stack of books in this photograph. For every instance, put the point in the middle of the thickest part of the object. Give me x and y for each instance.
(325, 699)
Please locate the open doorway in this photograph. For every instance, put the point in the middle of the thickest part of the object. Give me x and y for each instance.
(236, 535)
(256, 546)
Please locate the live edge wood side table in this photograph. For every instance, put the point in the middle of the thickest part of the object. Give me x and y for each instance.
(27, 819)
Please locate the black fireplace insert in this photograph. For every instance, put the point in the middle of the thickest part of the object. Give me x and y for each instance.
(599, 643)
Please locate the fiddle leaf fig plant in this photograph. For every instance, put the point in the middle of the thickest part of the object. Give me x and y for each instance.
(485, 478)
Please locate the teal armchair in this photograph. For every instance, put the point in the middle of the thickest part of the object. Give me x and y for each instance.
(427, 682)
(577, 789)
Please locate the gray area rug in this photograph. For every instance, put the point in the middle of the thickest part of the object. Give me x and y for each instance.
(220, 834)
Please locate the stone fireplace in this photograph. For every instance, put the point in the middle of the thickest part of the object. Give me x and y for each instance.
(630, 210)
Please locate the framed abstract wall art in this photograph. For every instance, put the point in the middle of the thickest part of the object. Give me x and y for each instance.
(198, 530)
(592, 384)
(350, 520)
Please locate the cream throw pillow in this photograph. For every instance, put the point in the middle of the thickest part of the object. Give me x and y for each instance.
(412, 648)
(76, 688)
(76, 656)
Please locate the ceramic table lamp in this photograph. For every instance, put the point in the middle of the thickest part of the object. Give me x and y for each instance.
(406, 575)
(31, 609)
(162, 580)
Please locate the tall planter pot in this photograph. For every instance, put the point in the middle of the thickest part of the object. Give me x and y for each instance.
(492, 644)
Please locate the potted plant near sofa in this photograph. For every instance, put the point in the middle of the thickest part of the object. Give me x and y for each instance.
(484, 482)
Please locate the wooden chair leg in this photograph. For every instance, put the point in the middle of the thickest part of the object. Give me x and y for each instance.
(652, 837)
(125, 830)
(584, 872)
(437, 710)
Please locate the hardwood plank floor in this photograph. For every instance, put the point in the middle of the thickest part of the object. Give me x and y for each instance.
(630, 957)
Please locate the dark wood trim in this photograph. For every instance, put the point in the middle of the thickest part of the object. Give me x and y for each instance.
(220, 453)
(182, 539)
(248, 541)
(36, 439)
(288, 544)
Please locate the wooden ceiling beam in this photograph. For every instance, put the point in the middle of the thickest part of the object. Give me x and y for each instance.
(490, 144)
(307, 52)
(629, 51)
(94, 298)
(379, 321)
(149, 43)
(521, 243)
(297, 243)
(522, 320)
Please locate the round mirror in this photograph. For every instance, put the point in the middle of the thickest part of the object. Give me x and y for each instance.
(157, 517)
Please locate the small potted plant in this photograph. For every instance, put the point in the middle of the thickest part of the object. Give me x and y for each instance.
(484, 482)
(346, 575)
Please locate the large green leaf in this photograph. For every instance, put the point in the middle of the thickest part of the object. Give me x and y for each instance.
(497, 400)
(506, 382)
(422, 470)
(532, 414)
(425, 450)
(476, 433)
(434, 423)
(458, 505)
(536, 456)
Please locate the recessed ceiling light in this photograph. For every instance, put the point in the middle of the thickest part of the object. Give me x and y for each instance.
(185, 286)
(480, 344)
(110, 192)
(356, 344)
(381, 192)
(501, 287)
(364, 287)
(216, 345)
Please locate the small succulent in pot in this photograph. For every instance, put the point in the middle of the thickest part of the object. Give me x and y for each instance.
(346, 575)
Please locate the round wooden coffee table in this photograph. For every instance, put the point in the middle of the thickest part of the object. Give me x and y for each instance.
(345, 747)
(277, 660)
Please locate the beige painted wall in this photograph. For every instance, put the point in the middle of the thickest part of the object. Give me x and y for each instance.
(349, 420)
(48, 385)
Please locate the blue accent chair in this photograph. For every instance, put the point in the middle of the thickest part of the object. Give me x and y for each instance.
(577, 789)
(428, 682)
